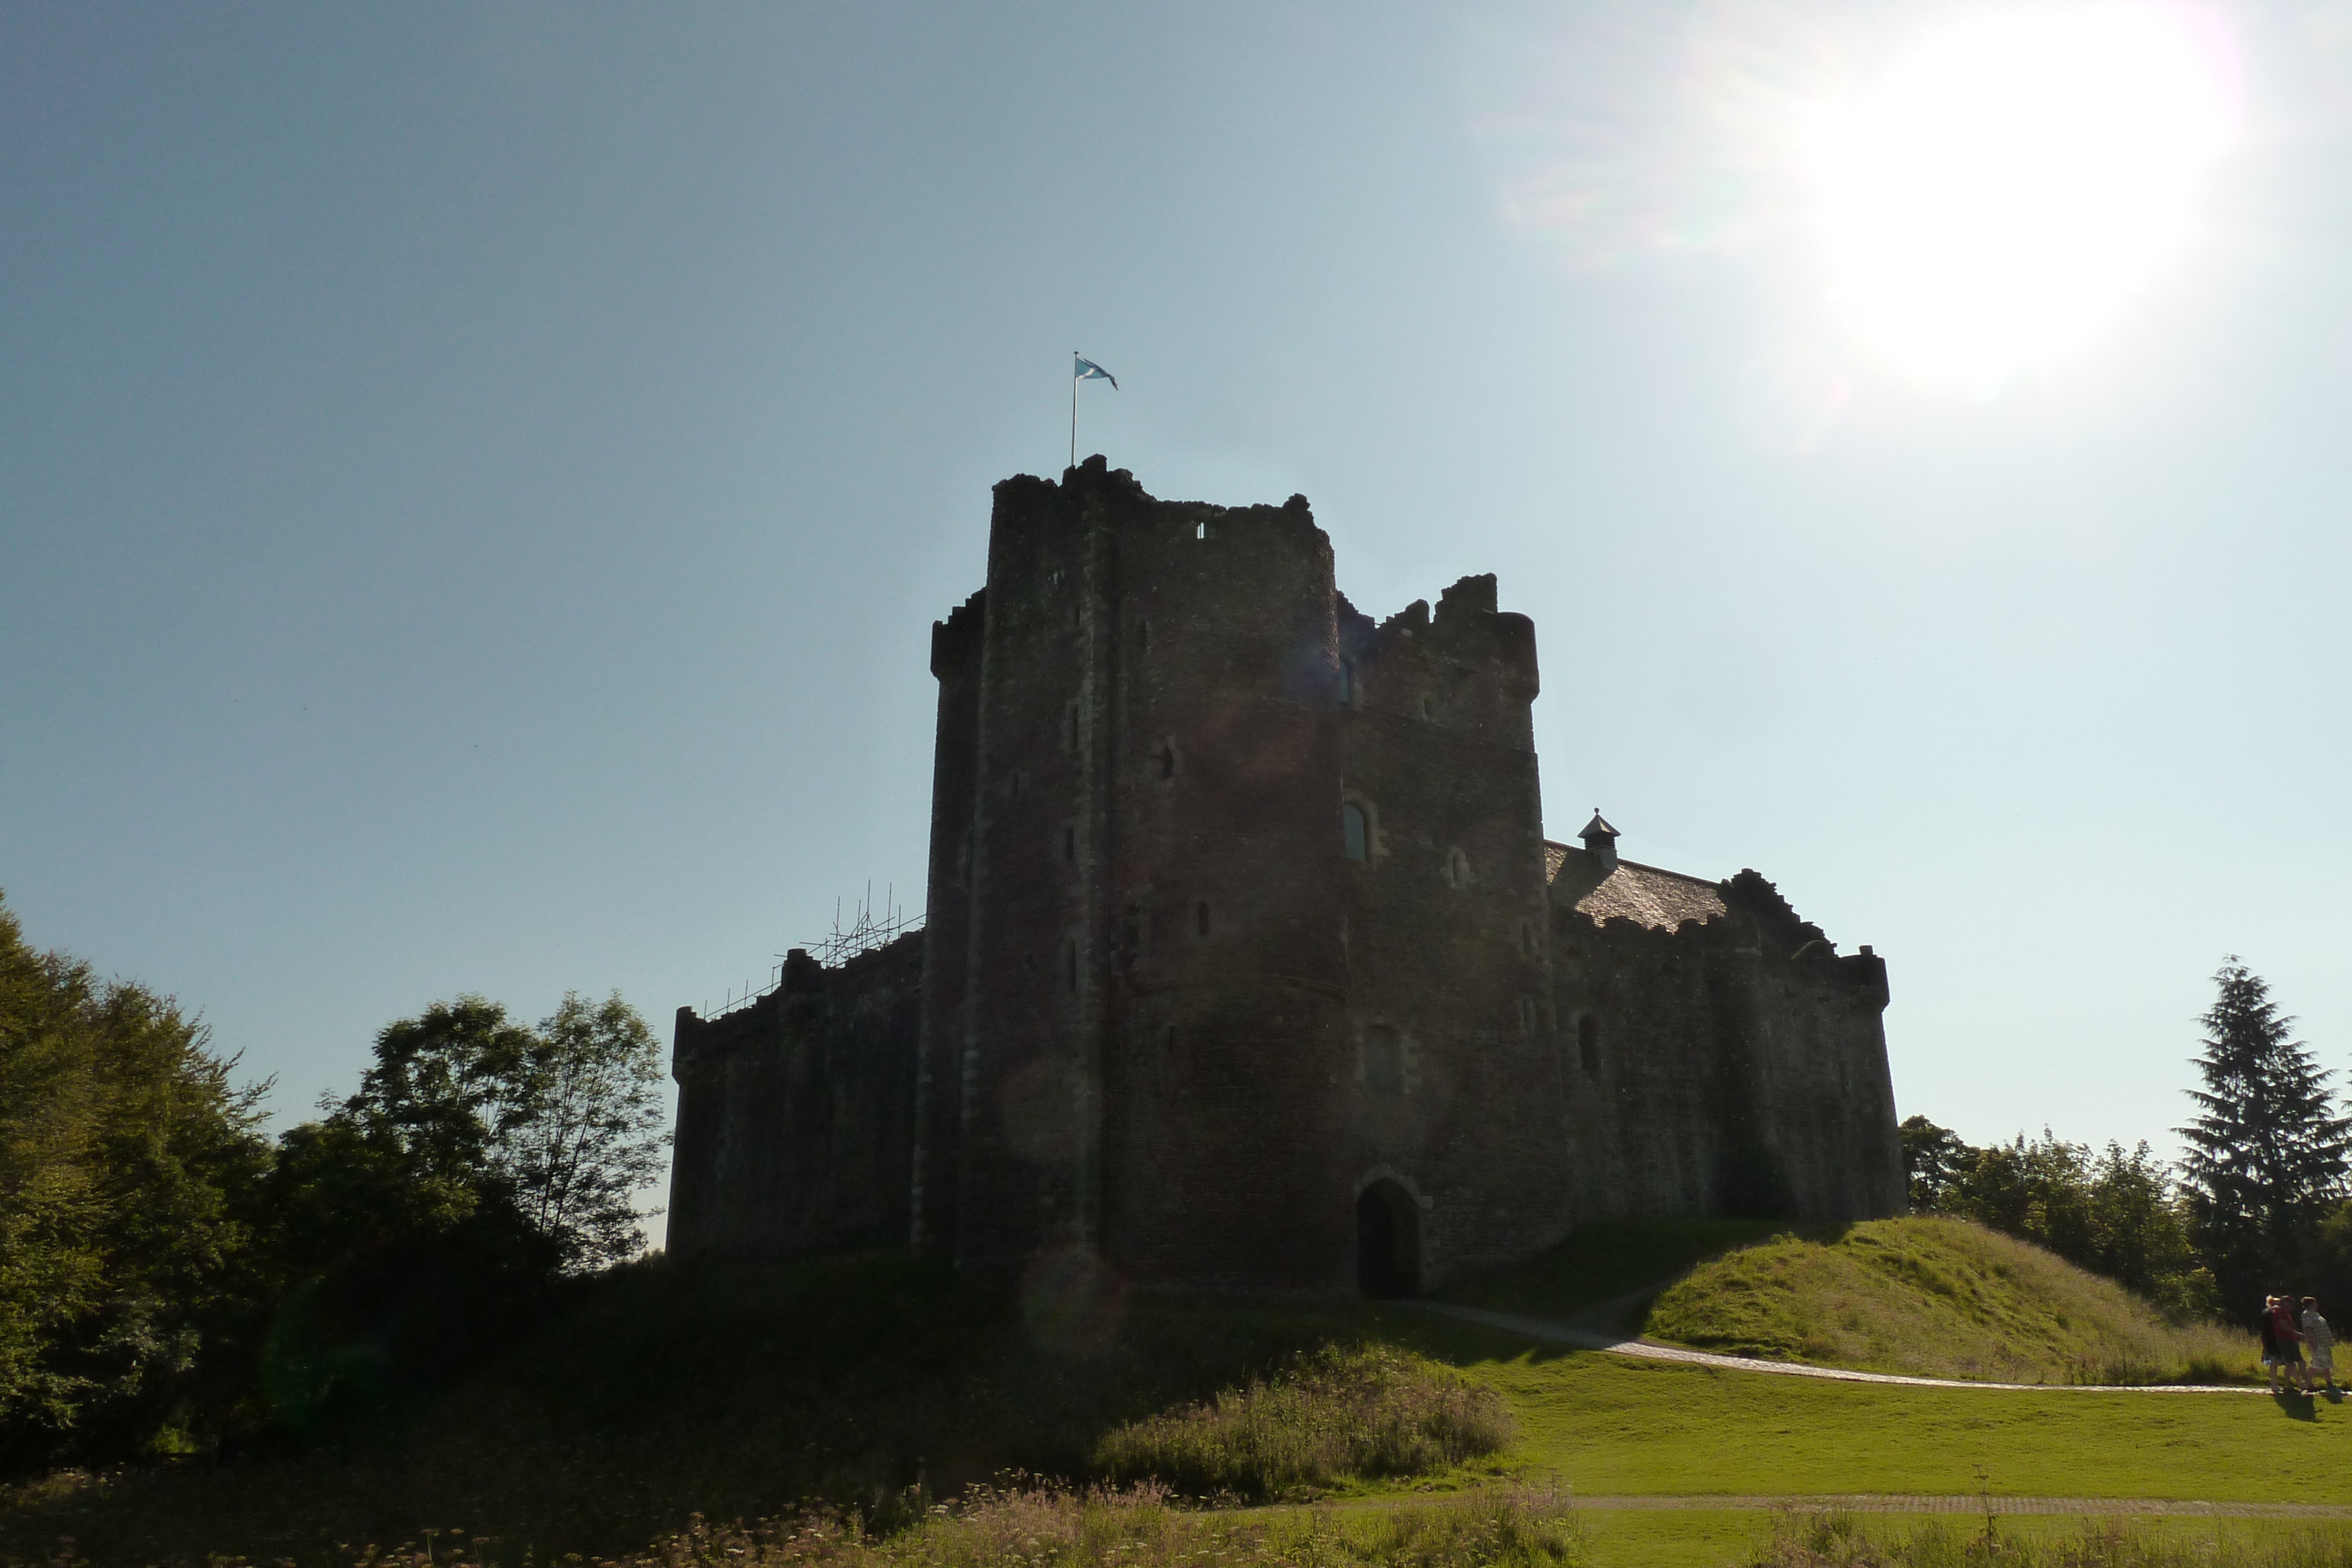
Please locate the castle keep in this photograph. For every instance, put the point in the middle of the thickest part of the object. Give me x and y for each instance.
(1247, 967)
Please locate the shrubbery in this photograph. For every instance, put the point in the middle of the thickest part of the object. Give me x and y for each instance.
(1362, 1411)
(1054, 1527)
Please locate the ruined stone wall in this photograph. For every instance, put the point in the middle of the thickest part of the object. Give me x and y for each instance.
(1445, 920)
(796, 1114)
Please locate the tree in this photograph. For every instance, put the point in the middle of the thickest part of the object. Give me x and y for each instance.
(586, 1129)
(127, 1162)
(2266, 1153)
(1933, 1160)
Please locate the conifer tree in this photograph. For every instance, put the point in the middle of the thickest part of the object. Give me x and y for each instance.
(2267, 1151)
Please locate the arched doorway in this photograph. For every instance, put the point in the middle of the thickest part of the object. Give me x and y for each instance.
(1388, 1241)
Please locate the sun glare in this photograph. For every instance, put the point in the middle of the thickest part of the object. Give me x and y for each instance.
(2002, 192)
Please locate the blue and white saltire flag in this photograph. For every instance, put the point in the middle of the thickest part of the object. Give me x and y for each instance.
(1090, 372)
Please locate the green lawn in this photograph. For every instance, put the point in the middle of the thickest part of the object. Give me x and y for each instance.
(1611, 1425)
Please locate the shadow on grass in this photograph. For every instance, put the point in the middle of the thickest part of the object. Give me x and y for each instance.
(734, 1390)
(1605, 1275)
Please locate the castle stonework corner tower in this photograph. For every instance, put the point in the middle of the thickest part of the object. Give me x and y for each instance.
(1246, 964)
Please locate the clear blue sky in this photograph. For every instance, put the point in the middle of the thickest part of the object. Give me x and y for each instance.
(475, 481)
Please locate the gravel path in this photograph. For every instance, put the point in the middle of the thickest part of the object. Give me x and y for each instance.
(1617, 1344)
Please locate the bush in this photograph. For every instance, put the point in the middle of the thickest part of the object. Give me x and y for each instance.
(1363, 1411)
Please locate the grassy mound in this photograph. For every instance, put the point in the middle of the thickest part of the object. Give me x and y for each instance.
(1604, 1274)
(1937, 1297)
(1364, 1412)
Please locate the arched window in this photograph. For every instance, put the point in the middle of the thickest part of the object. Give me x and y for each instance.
(1588, 1044)
(1356, 831)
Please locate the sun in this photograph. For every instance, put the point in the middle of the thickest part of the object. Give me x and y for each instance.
(2001, 194)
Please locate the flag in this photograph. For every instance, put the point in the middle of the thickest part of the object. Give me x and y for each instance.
(1088, 371)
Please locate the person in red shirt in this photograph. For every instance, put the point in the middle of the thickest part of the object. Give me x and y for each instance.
(2290, 1352)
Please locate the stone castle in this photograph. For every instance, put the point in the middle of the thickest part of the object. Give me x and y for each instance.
(1246, 966)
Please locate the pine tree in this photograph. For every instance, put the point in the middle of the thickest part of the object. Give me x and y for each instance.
(2267, 1153)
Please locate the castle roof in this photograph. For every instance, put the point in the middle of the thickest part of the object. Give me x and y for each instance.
(1644, 895)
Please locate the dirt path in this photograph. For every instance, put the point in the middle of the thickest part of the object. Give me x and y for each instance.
(1617, 1344)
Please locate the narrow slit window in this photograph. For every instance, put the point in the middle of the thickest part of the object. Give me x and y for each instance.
(1201, 918)
(1070, 965)
(1526, 1015)
(1166, 757)
(1070, 727)
(1200, 530)
(1356, 834)
(1069, 844)
(1384, 1061)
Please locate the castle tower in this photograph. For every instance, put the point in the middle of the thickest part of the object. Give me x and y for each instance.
(1134, 972)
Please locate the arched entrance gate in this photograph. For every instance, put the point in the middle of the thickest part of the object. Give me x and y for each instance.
(1388, 1241)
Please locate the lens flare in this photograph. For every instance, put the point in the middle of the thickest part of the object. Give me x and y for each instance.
(2004, 190)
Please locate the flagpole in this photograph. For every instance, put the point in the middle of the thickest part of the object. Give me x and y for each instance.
(1074, 408)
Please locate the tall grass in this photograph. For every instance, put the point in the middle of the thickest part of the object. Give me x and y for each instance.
(1101, 1528)
(1838, 1541)
(1939, 1298)
(1338, 1412)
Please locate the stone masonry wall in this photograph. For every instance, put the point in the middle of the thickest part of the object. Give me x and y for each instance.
(1735, 1066)
(796, 1114)
(1445, 920)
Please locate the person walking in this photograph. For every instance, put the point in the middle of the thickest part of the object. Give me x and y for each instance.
(2270, 1341)
(2322, 1340)
(2289, 1357)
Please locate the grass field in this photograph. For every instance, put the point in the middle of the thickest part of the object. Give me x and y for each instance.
(1610, 1424)
(738, 1392)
